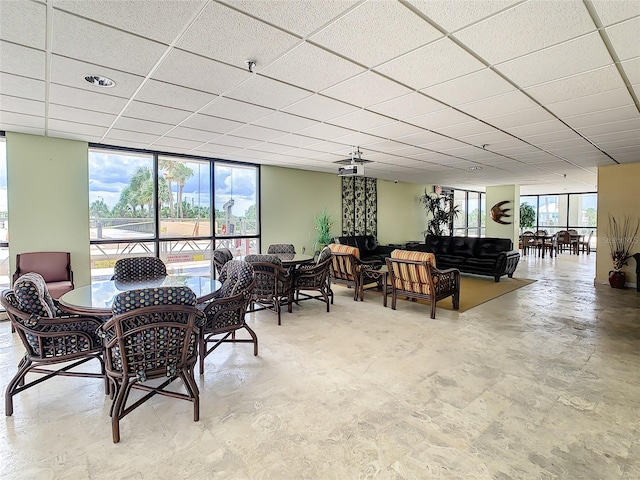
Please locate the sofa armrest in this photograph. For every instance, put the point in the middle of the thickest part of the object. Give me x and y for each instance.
(384, 250)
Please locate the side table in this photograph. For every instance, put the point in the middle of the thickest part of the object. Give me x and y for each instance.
(381, 277)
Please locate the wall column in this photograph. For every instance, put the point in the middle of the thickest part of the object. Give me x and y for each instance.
(495, 195)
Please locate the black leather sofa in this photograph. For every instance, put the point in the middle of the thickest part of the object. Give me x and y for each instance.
(479, 255)
(368, 246)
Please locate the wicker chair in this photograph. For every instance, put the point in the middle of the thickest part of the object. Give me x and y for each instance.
(414, 275)
(152, 335)
(281, 248)
(273, 284)
(225, 313)
(314, 278)
(55, 268)
(138, 269)
(49, 336)
(347, 269)
(220, 257)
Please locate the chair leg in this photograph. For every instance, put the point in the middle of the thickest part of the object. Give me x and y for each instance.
(17, 381)
(192, 389)
(117, 408)
(255, 339)
(433, 308)
(456, 300)
(202, 347)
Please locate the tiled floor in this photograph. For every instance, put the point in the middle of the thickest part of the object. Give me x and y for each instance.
(543, 382)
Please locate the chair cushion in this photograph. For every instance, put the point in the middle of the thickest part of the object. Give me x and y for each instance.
(338, 248)
(138, 268)
(53, 266)
(413, 255)
(281, 248)
(263, 258)
(147, 297)
(409, 277)
(236, 276)
(32, 295)
(325, 254)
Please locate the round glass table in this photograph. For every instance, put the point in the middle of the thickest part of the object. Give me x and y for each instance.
(96, 299)
(289, 259)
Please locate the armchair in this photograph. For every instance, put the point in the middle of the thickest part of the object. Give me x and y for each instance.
(414, 275)
(54, 267)
(49, 337)
(220, 257)
(314, 277)
(281, 248)
(273, 284)
(152, 335)
(347, 269)
(138, 269)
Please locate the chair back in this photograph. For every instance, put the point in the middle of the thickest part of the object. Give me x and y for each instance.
(138, 269)
(236, 277)
(271, 278)
(53, 266)
(281, 248)
(153, 333)
(528, 239)
(220, 257)
(343, 261)
(325, 254)
(32, 296)
(411, 271)
(563, 237)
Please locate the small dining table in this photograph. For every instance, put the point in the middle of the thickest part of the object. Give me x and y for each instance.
(290, 259)
(96, 299)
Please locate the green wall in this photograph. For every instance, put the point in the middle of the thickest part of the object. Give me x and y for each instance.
(401, 215)
(48, 199)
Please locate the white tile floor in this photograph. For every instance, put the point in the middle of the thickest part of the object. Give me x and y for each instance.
(540, 383)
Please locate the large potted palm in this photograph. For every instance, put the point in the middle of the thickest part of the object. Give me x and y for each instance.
(621, 236)
(442, 212)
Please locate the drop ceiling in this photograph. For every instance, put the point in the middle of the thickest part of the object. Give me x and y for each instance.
(536, 93)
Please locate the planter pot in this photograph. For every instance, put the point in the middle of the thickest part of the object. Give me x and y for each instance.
(617, 279)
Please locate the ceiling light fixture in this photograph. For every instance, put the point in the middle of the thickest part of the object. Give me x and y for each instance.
(98, 81)
(475, 167)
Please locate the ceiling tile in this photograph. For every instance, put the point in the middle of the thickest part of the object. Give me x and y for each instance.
(356, 138)
(16, 16)
(616, 137)
(22, 105)
(258, 133)
(422, 138)
(294, 140)
(499, 105)
(324, 131)
(271, 147)
(528, 27)
(268, 93)
(539, 129)
(238, 142)
(203, 73)
(21, 119)
(285, 122)
(79, 129)
(360, 120)
(215, 149)
(232, 37)
(604, 128)
(140, 138)
(624, 38)
(298, 16)
(632, 69)
(613, 12)
(590, 83)
(24, 61)
(592, 103)
(390, 29)
(522, 117)
(452, 15)
(142, 18)
(177, 143)
(386, 146)
(168, 95)
(603, 116)
(144, 126)
(149, 111)
(75, 97)
(444, 61)
(311, 67)
(569, 58)
(21, 87)
(469, 88)
(193, 134)
(320, 108)
(408, 106)
(94, 43)
(67, 71)
(79, 115)
(366, 89)
(236, 110)
(211, 124)
(474, 127)
(80, 136)
(441, 118)
(394, 130)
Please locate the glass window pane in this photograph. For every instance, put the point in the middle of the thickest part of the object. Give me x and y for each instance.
(239, 246)
(552, 212)
(184, 188)
(105, 255)
(474, 209)
(236, 195)
(121, 195)
(460, 222)
(191, 257)
(5, 274)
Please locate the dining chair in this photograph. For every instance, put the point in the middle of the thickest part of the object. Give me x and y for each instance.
(225, 313)
(315, 278)
(138, 269)
(563, 240)
(153, 335)
(220, 257)
(50, 337)
(55, 268)
(528, 241)
(585, 245)
(273, 284)
(281, 248)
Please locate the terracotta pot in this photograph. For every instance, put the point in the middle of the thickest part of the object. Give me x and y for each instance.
(617, 279)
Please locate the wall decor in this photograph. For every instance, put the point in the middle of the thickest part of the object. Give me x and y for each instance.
(498, 213)
(359, 206)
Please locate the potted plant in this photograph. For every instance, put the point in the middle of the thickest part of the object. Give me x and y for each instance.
(442, 213)
(621, 236)
(527, 216)
(323, 225)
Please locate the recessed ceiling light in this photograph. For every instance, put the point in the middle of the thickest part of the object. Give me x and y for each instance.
(98, 81)
(475, 167)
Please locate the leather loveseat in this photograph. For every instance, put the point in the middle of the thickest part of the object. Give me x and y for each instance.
(479, 255)
(368, 246)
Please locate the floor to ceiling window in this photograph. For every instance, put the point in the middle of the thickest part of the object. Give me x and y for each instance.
(148, 204)
(5, 274)
(470, 221)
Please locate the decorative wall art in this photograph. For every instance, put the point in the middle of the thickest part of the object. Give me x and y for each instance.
(359, 206)
(498, 213)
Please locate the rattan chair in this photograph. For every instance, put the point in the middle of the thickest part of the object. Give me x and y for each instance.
(225, 313)
(51, 338)
(281, 248)
(347, 269)
(220, 257)
(138, 269)
(153, 335)
(273, 285)
(315, 278)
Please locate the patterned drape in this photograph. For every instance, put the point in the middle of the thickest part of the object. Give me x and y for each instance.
(359, 206)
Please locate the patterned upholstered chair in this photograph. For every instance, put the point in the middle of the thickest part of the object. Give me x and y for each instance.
(49, 336)
(138, 269)
(273, 284)
(55, 268)
(281, 248)
(220, 257)
(225, 313)
(152, 335)
(414, 275)
(314, 278)
(347, 269)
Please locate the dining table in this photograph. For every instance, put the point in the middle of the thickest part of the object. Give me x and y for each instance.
(96, 299)
(290, 259)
